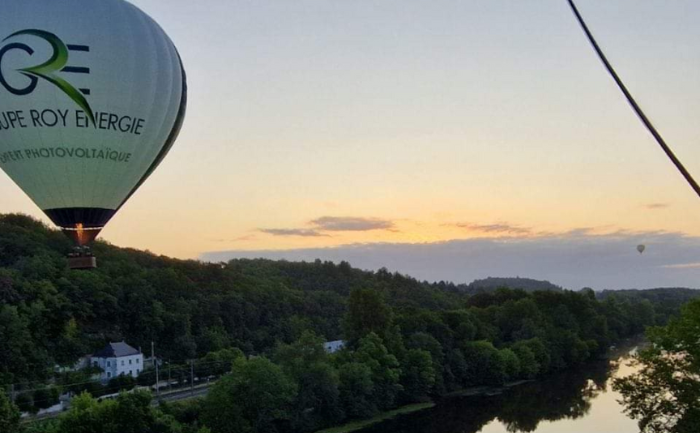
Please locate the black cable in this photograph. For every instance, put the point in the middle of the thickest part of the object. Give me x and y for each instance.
(688, 177)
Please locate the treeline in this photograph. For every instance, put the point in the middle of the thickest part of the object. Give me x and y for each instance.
(664, 300)
(399, 355)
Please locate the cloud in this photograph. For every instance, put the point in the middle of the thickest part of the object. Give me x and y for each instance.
(238, 239)
(654, 206)
(334, 224)
(351, 224)
(504, 228)
(245, 238)
(293, 232)
(683, 266)
(580, 258)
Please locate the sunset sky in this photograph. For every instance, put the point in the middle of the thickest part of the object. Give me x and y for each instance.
(324, 124)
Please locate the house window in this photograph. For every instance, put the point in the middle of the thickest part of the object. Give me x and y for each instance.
(109, 374)
(130, 373)
(138, 360)
(129, 362)
(122, 363)
(109, 363)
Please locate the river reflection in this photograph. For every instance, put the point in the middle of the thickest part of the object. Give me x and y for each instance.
(573, 402)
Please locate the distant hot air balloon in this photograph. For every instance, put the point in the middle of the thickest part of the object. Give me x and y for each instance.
(641, 248)
(92, 97)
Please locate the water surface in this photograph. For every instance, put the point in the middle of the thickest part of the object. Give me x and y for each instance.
(580, 401)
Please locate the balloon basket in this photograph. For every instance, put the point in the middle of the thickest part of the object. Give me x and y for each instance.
(82, 259)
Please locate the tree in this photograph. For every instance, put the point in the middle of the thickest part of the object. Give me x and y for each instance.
(317, 404)
(427, 342)
(9, 415)
(664, 396)
(24, 402)
(529, 367)
(44, 398)
(457, 369)
(367, 312)
(356, 389)
(460, 322)
(217, 363)
(253, 398)
(296, 356)
(511, 363)
(518, 320)
(385, 370)
(417, 375)
(129, 413)
(484, 364)
(539, 350)
(16, 349)
(121, 383)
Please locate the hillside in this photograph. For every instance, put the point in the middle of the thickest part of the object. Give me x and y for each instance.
(491, 284)
(50, 315)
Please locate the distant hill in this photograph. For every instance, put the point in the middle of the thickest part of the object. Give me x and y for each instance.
(491, 284)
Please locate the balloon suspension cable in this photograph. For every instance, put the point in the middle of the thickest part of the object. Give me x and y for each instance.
(688, 177)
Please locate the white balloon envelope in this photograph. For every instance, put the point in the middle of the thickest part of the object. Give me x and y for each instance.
(92, 97)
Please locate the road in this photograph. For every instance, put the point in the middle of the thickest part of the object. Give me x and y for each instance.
(184, 394)
(177, 395)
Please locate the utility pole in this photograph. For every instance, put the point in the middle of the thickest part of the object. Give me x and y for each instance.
(170, 383)
(155, 361)
(192, 373)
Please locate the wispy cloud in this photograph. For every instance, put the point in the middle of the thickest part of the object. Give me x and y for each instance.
(245, 238)
(497, 228)
(683, 266)
(293, 232)
(351, 224)
(655, 206)
(319, 226)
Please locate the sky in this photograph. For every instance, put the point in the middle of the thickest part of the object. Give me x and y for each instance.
(448, 131)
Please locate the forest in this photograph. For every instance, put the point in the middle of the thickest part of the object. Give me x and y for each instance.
(260, 325)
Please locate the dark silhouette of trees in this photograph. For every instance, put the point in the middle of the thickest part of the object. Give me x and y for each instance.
(664, 396)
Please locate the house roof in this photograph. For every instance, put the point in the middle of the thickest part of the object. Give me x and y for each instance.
(116, 350)
(333, 346)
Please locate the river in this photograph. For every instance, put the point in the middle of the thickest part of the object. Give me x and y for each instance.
(580, 401)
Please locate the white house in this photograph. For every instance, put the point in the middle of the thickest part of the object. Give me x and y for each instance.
(333, 346)
(118, 359)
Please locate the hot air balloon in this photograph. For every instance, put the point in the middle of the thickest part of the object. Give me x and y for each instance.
(641, 248)
(92, 97)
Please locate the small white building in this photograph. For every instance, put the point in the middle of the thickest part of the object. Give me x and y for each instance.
(333, 346)
(117, 359)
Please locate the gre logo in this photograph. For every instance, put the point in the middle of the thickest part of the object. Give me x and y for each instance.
(48, 70)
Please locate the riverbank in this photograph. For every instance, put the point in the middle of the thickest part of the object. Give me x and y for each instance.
(360, 424)
(467, 392)
(485, 390)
